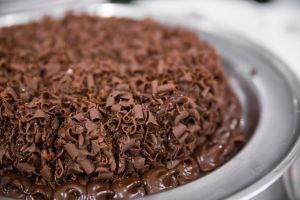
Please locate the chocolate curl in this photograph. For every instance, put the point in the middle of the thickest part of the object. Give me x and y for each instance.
(46, 173)
(29, 148)
(123, 87)
(127, 129)
(18, 67)
(116, 108)
(151, 119)
(6, 111)
(195, 114)
(10, 92)
(190, 141)
(76, 130)
(127, 119)
(138, 162)
(25, 167)
(38, 135)
(126, 144)
(181, 116)
(72, 150)
(105, 175)
(79, 117)
(172, 164)
(166, 88)
(90, 82)
(67, 134)
(179, 130)
(121, 165)
(126, 103)
(59, 169)
(2, 153)
(138, 112)
(86, 165)
(75, 168)
(39, 114)
(90, 126)
(94, 114)
(51, 69)
(154, 85)
(95, 147)
(160, 67)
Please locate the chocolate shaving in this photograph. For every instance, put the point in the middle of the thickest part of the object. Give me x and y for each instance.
(94, 114)
(39, 114)
(151, 119)
(46, 173)
(179, 130)
(2, 153)
(87, 166)
(10, 92)
(25, 167)
(90, 81)
(165, 88)
(139, 162)
(72, 150)
(17, 67)
(138, 112)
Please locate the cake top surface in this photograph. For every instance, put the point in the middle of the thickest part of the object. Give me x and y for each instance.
(94, 99)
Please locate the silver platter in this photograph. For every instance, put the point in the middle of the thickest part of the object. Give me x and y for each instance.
(268, 91)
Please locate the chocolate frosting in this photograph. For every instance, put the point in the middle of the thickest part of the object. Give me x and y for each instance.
(14, 186)
(70, 191)
(39, 192)
(102, 108)
(159, 179)
(126, 188)
(99, 191)
(187, 170)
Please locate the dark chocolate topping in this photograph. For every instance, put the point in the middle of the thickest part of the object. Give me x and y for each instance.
(159, 179)
(14, 186)
(126, 188)
(39, 192)
(101, 108)
(99, 191)
(70, 191)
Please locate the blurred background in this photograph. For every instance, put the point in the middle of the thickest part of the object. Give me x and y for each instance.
(274, 24)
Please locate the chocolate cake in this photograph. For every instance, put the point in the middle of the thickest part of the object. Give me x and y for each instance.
(110, 108)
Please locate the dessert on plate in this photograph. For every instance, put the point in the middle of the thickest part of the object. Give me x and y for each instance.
(110, 108)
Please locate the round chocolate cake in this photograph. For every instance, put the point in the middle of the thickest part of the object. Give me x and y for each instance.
(110, 108)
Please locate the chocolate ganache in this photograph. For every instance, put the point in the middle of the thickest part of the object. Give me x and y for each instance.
(110, 108)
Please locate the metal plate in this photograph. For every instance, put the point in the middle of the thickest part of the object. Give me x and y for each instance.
(270, 102)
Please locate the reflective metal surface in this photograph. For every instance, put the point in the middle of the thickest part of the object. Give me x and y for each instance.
(291, 181)
(267, 90)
